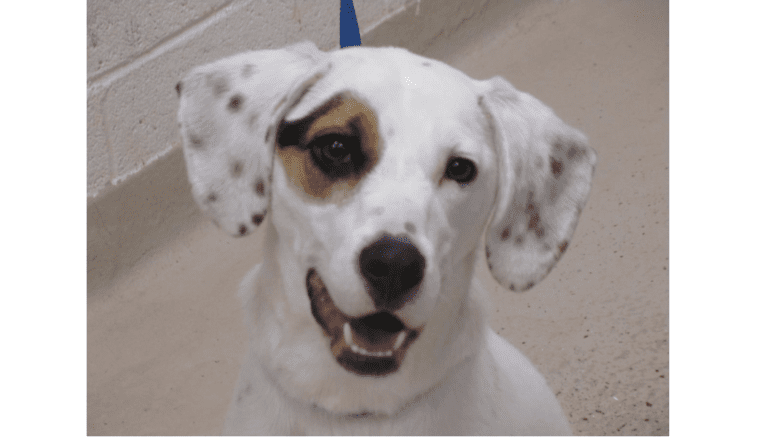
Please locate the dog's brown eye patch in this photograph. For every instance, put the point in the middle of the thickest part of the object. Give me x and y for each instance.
(461, 170)
(337, 156)
(328, 152)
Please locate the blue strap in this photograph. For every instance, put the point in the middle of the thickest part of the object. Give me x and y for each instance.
(349, 27)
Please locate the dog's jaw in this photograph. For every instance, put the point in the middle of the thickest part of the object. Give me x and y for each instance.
(374, 345)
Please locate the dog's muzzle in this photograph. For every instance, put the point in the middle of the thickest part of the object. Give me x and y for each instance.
(372, 345)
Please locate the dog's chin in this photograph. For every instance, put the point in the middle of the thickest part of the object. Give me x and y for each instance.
(371, 345)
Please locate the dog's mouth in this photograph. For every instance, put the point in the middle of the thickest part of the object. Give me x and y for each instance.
(372, 345)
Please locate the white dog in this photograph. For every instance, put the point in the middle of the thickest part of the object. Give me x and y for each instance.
(383, 169)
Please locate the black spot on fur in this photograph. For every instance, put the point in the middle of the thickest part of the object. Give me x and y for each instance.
(257, 219)
(557, 167)
(563, 247)
(242, 230)
(195, 140)
(237, 168)
(235, 103)
(178, 88)
(260, 187)
(212, 197)
(248, 70)
(219, 84)
(505, 234)
(512, 287)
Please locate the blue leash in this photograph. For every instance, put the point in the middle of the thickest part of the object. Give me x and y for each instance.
(349, 27)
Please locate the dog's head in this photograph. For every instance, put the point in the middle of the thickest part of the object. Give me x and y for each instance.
(382, 169)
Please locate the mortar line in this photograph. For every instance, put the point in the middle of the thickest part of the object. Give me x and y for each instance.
(168, 44)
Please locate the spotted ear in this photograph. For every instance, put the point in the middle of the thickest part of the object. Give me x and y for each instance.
(228, 114)
(545, 174)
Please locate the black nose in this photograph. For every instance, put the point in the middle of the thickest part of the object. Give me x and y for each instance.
(392, 267)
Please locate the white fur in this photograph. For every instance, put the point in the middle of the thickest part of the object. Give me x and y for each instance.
(458, 377)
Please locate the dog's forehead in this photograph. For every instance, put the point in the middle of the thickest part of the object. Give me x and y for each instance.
(394, 82)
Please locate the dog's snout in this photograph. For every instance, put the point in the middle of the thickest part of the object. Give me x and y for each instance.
(392, 267)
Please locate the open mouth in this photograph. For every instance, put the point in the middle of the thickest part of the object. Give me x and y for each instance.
(372, 345)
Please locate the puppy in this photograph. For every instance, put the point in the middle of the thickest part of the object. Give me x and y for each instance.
(383, 170)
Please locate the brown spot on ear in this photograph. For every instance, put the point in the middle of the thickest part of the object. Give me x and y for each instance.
(242, 230)
(212, 197)
(237, 169)
(563, 246)
(557, 167)
(235, 103)
(505, 234)
(260, 187)
(178, 88)
(218, 83)
(257, 219)
(534, 216)
(195, 141)
(248, 70)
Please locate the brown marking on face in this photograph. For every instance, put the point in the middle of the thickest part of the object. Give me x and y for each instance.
(257, 219)
(260, 187)
(342, 115)
(505, 234)
(563, 247)
(178, 88)
(242, 230)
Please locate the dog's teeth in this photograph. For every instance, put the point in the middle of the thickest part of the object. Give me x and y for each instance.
(400, 340)
(347, 334)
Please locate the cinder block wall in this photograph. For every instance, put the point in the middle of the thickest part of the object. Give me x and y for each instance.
(138, 50)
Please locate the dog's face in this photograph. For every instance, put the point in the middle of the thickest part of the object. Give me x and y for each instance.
(382, 169)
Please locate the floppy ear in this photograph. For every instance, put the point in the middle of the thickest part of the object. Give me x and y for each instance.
(229, 111)
(545, 173)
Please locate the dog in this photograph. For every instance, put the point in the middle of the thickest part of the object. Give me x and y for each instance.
(388, 175)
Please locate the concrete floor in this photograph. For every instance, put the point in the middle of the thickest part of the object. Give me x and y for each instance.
(166, 340)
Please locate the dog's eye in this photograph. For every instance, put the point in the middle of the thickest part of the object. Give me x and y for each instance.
(461, 170)
(336, 155)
